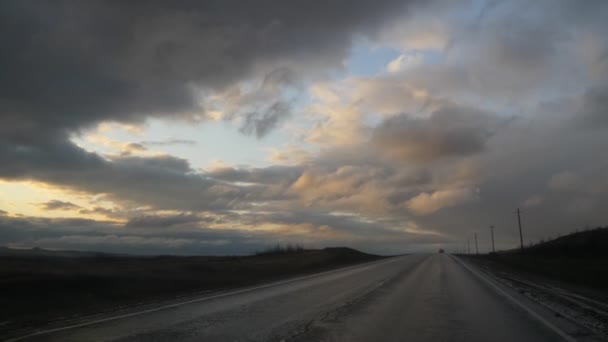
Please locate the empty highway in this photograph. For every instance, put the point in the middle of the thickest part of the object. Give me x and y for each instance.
(407, 298)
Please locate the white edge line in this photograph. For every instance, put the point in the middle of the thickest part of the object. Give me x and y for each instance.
(532, 313)
(173, 305)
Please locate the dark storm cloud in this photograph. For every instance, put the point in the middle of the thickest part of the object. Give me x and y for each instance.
(80, 234)
(261, 122)
(269, 107)
(72, 64)
(58, 205)
(53, 159)
(450, 131)
(595, 105)
(164, 221)
(161, 182)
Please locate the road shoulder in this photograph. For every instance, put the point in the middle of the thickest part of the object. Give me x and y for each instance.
(538, 302)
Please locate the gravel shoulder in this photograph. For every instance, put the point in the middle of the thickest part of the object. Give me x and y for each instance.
(586, 306)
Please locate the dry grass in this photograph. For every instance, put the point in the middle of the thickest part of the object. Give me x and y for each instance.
(579, 258)
(39, 290)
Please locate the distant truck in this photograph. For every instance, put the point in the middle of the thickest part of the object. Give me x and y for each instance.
(441, 250)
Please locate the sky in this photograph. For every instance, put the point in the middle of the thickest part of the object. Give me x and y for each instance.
(225, 127)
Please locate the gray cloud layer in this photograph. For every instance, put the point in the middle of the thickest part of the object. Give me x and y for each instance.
(450, 131)
(72, 64)
(58, 205)
(516, 117)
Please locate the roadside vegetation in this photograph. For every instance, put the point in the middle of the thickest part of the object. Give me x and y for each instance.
(579, 258)
(279, 249)
(46, 287)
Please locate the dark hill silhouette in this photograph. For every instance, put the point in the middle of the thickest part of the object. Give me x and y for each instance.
(588, 243)
(579, 258)
(580, 244)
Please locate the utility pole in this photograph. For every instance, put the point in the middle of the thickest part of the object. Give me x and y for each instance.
(469, 245)
(492, 232)
(521, 238)
(476, 248)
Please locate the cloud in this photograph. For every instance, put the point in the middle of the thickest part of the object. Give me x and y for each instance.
(337, 121)
(110, 213)
(124, 148)
(262, 106)
(195, 239)
(135, 147)
(404, 61)
(79, 234)
(565, 181)
(75, 64)
(595, 104)
(449, 131)
(495, 53)
(260, 123)
(533, 201)
(266, 175)
(162, 182)
(58, 205)
(290, 154)
(168, 142)
(163, 221)
(348, 188)
(420, 30)
(483, 110)
(428, 203)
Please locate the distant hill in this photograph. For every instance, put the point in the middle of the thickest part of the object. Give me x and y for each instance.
(40, 252)
(587, 243)
(328, 252)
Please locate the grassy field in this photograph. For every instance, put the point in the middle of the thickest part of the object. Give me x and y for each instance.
(39, 289)
(579, 258)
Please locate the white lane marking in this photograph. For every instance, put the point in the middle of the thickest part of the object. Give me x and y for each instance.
(358, 268)
(532, 313)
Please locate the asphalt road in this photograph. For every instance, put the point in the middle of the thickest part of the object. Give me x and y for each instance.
(409, 298)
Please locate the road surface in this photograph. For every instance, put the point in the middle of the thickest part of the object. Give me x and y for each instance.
(408, 298)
